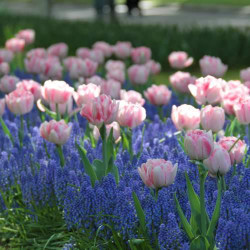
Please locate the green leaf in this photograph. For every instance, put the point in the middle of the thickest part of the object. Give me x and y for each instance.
(183, 219)
(199, 243)
(87, 166)
(110, 145)
(6, 130)
(216, 213)
(140, 213)
(125, 141)
(99, 168)
(230, 128)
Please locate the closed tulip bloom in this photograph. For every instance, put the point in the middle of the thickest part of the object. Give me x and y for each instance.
(28, 35)
(97, 80)
(179, 60)
(130, 115)
(73, 65)
(198, 144)
(132, 96)
(8, 83)
(245, 74)
(112, 88)
(114, 65)
(247, 84)
(158, 95)
(2, 106)
(20, 101)
(218, 162)
(15, 45)
(56, 91)
(96, 56)
(35, 65)
(122, 50)
(57, 132)
(237, 152)
(6, 55)
(83, 53)
(213, 66)
(157, 173)
(117, 75)
(206, 90)
(4, 68)
(31, 86)
(185, 117)
(59, 50)
(37, 52)
(88, 68)
(101, 109)
(138, 74)
(212, 118)
(64, 108)
(242, 111)
(154, 67)
(181, 80)
(104, 47)
(85, 93)
(141, 55)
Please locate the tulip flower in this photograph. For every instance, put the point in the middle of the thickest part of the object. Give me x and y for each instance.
(141, 55)
(179, 60)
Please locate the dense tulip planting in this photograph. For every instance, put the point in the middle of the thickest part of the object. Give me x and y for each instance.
(119, 158)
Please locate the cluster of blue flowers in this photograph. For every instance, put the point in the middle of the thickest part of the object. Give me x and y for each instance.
(44, 182)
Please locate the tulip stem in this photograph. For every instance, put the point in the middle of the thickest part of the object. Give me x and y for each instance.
(203, 176)
(58, 116)
(60, 153)
(224, 186)
(160, 112)
(104, 147)
(130, 139)
(20, 132)
(234, 170)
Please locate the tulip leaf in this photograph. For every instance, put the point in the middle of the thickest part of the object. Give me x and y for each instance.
(110, 145)
(230, 128)
(140, 213)
(6, 130)
(183, 219)
(216, 213)
(112, 168)
(47, 111)
(99, 168)
(125, 141)
(199, 243)
(87, 166)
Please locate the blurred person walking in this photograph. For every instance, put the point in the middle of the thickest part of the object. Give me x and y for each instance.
(133, 4)
(100, 4)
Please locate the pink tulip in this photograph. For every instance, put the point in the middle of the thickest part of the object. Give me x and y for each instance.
(15, 45)
(138, 74)
(237, 152)
(181, 80)
(206, 90)
(37, 52)
(242, 111)
(114, 65)
(158, 95)
(112, 88)
(85, 93)
(31, 86)
(104, 47)
(20, 102)
(198, 144)
(141, 55)
(88, 68)
(157, 173)
(122, 50)
(97, 80)
(99, 110)
(245, 74)
(97, 56)
(213, 66)
(247, 84)
(153, 67)
(132, 96)
(185, 117)
(83, 53)
(56, 92)
(179, 60)
(212, 118)
(34, 65)
(57, 132)
(2, 106)
(117, 75)
(4, 68)
(218, 162)
(6, 55)
(63, 108)
(73, 65)
(51, 68)
(8, 83)
(116, 131)
(59, 50)
(130, 115)
(27, 35)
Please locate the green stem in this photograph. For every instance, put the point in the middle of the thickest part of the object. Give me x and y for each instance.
(130, 137)
(234, 170)
(224, 186)
(6, 130)
(103, 133)
(58, 116)
(60, 153)
(202, 201)
(160, 112)
(21, 131)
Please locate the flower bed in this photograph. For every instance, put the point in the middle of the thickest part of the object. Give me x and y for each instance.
(131, 183)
